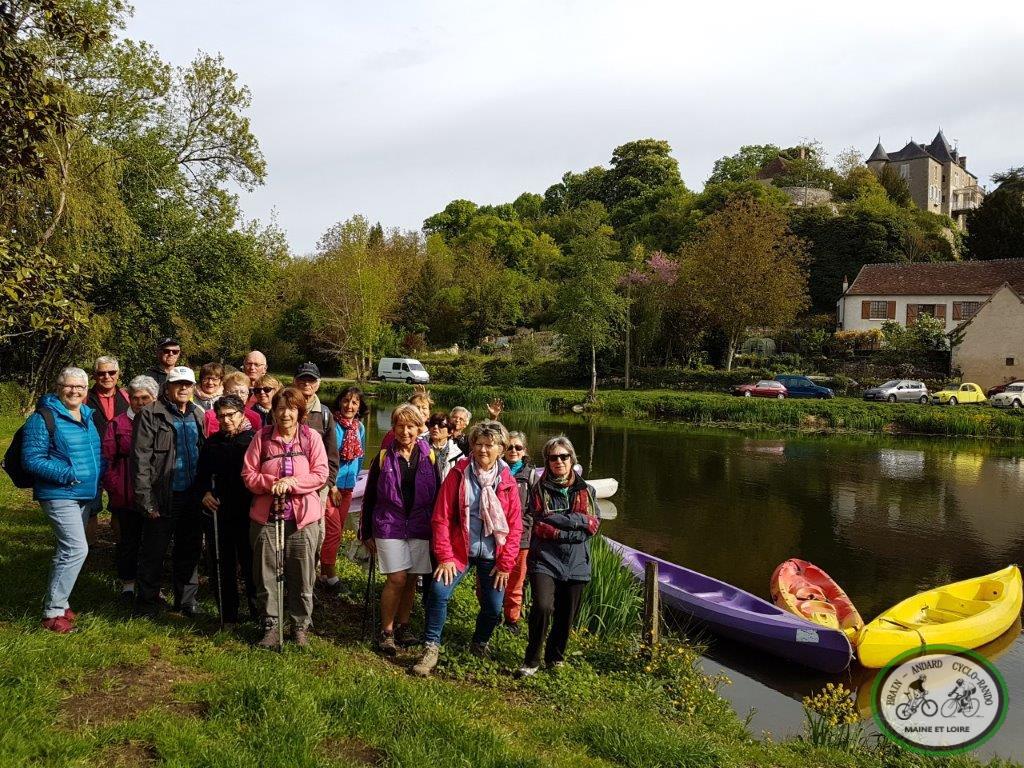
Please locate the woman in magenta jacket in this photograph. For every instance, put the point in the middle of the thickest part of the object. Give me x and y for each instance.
(477, 522)
(117, 482)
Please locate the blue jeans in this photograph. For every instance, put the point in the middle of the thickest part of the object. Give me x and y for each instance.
(69, 517)
(491, 600)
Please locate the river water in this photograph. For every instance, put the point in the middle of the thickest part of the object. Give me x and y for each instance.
(886, 517)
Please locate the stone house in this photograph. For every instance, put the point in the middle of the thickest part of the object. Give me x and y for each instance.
(951, 291)
(988, 347)
(936, 174)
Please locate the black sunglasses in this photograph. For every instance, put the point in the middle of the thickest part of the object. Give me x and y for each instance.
(559, 457)
(516, 448)
(260, 390)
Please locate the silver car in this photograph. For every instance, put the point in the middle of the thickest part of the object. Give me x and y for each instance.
(899, 390)
(1011, 397)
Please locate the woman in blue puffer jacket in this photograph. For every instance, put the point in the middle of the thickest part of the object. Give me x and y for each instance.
(67, 467)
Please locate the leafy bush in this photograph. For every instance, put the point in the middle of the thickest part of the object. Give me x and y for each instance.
(14, 399)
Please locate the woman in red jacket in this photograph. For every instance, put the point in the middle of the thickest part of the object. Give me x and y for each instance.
(477, 522)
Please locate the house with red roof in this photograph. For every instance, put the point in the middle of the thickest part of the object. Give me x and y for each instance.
(951, 291)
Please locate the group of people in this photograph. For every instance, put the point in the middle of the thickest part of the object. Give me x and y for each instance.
(265, 473)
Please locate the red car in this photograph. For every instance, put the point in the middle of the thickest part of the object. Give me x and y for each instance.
(997, 389)
(763, 388)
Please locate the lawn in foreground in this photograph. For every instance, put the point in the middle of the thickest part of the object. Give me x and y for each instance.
(123, 692)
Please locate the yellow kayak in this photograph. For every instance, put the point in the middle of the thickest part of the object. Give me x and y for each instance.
(966, 614)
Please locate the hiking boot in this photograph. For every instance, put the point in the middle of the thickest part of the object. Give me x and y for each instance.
(526, 671)
(386, 644)
(427, 662)
(332, 589)
(58, 624)
(556, 666)
(269, 640)
(512, 627)
(70, 615)
(404, 636)
(480, 650)
(299, 637)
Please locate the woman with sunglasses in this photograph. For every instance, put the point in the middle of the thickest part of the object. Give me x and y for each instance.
(439, 431)
(522, 468)
(349, 410)
(225, 498)
(263, 395)
(564, 513)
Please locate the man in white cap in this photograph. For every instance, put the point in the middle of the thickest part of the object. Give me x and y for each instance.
(167, 436)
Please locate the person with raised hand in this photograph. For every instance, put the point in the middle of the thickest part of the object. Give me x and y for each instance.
(477, 523)
(565, 517)
(61, 450)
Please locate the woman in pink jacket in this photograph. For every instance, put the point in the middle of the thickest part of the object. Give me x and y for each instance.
(117, 482)
(286, 459)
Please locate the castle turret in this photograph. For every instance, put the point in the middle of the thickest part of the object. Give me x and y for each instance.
(878, 158)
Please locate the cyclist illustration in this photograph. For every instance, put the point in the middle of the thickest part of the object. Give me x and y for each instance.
(961, 699)
(917, 698)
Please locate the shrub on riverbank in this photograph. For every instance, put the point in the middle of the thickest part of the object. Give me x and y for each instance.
(843, 414)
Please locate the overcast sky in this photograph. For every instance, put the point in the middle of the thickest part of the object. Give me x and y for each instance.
(392, 109)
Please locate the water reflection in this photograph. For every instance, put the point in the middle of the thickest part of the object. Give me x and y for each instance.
(886, 517)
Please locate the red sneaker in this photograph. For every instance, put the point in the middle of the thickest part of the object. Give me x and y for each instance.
(70, 615)
(59, 625)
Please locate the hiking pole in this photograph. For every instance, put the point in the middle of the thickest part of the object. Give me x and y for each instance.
(216, 561)
(369, 605)
(279, 547)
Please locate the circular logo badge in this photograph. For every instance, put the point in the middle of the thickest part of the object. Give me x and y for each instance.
(945, 701)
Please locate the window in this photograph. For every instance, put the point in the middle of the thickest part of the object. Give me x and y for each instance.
(1009, 361)
(396, 366)
(962, 310)
(879, 310)
(905, 171)
(926, 309)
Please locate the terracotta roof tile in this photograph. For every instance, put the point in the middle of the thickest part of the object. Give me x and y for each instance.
(953, 278)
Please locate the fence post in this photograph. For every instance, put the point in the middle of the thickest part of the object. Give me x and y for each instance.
(652, 604)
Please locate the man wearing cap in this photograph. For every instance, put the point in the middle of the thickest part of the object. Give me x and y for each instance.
(168, 355)
(319, 419)
(167, 437)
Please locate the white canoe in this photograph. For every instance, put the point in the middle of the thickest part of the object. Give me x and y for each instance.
(604, 487)
(606, 509)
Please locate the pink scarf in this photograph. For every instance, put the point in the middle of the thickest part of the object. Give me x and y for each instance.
(491, 512)
(350, 447)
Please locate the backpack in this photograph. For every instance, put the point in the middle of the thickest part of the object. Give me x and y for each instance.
(12, 462)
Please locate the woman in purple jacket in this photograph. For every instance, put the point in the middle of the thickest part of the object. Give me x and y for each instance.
(395, 524)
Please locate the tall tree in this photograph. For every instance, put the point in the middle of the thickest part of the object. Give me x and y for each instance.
(744, 165)
(589, 311)
(745, 268)
(995, 230)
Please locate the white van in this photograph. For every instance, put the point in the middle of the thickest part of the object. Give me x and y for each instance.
(402, 369)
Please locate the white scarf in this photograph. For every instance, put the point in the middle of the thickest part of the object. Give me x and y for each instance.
(491, 513)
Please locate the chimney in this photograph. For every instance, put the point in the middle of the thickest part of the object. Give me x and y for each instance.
(963, 162)
(846, 283)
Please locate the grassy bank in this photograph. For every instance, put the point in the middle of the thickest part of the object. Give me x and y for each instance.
(841, 414)
(123, 692)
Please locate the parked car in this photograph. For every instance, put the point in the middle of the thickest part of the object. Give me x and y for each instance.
(802, 386)
(899, 390)
(1012, 396)
(763, 388)
(965, 393)
(992, 391)
(402, 369)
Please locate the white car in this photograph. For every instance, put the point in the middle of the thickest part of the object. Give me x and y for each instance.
(1011, 397)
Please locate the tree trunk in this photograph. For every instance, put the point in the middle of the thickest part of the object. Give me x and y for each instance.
(593, 372)
(629, 327)
(730, 353)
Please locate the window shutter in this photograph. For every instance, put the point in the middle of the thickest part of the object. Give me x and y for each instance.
(911, 314)
(865, 310)
(890, 312)
(958, 310)
(940, 311)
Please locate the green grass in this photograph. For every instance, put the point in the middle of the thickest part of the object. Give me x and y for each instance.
(839, 415)
(122, 692)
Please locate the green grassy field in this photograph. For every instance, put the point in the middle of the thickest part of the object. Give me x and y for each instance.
(710, 408)
(123, 692)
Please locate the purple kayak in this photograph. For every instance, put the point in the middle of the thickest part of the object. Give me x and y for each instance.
(746, 618)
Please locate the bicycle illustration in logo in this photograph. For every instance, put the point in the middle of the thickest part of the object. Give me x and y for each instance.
(961, 701)
(917, 698)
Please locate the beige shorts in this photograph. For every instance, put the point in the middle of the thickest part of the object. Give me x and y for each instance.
(412, 555)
